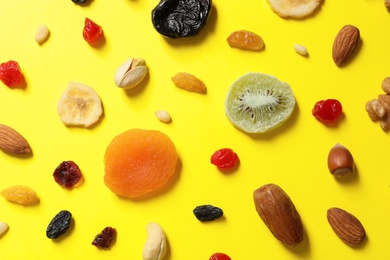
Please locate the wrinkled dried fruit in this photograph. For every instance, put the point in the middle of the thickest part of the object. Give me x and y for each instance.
(10, 74)
(219, 256)
(92, 31)
(104, 238)
(67, 174)
(78, 1)
(59, 224)
(327, 111)
(279, 214)
(245, 40)
(207, 212)
(20, 194)
(225, 159)
(180, 18)
(189, 82)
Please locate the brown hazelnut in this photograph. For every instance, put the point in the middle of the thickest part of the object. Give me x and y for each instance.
(340, 161)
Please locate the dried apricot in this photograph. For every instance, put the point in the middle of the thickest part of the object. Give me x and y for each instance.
(139, 162)
(245, 40)
(20, 194)
(189, 82)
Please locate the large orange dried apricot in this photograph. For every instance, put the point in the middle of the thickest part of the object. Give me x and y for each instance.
(139, 162)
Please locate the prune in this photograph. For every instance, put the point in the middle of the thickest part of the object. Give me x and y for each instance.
(180, 18)
(59, 224)
(67, 174)
(207, 212)
(104, 238)
(78, 1)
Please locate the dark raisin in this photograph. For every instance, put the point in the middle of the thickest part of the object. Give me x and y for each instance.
(67, 174)
(59, 224)
(180, 18)
(207, 212)
(78, 1)
(104, 238)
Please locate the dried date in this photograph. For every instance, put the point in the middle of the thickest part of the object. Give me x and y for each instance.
(59, 224)
(180, 18)
(207, 212)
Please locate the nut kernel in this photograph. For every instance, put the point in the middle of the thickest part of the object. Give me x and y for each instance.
(163, 116)
(300, 49)
(130, 73)
(42, 34)
(340, 161)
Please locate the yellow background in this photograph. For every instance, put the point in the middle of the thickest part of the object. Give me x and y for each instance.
(292, 156)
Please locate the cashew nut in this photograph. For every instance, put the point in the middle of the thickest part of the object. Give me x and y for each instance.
(155, 245)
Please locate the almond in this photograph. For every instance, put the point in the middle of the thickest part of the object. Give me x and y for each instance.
(345, 44)
(278, 212)
(13, 142)
(346, 226)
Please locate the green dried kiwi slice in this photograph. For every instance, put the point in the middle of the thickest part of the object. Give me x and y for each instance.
(258, 103)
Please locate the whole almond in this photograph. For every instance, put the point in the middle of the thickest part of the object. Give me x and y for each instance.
(13, 142)
(346, 226)
(279, 214)
(345, 44)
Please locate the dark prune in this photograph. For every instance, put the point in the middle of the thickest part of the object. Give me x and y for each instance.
(104, 238)
(59, 224)
(207, 212)
(180, 18)
(78, 1)
(67, 174)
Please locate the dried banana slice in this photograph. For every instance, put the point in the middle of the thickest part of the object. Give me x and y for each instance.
(79, 105)
(293, 8)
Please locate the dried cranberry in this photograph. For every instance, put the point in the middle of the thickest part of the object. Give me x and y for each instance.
(104, 238)
(224, 159)
(92, 31)
(327, 111)
(219, 256)
(10, 73)
(67, 174)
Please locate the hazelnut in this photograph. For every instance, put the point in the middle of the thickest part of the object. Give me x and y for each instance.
(340, 161)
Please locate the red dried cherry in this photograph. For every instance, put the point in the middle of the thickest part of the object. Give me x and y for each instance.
(67, 174)
(92, 31)
(104, 238)
(10, 74)
(224, 159)
(219, 256)
(327, 111)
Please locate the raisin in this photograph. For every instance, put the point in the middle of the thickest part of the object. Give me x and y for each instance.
(59, 224)
(327, 111)
(78, 1)
(67, 174)
(180, 18)
(20, 194)
(245, 40)
(207, 212)
(92, 31)
(224, 159)
(219, 256)
(104, 238)
(10, 74)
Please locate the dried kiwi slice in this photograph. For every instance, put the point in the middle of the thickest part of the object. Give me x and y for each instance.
(258, 103)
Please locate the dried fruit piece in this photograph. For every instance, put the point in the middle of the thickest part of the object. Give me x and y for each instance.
(79, 1)
(91, 31)
(189, 82)
(155, 246)
(59, 224)
(258, 103)
(10, 74)
(139, 163)
(67, 174)
(20, 194)
(219, 256)
(345, 43)
(79, 105)
(294, 8)
(279, 214)
(104, 238)
(245, 40)
(327, 111)
(180, 18)
(207, 212)
(225, 159)
(12, 141)
(346, 226)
